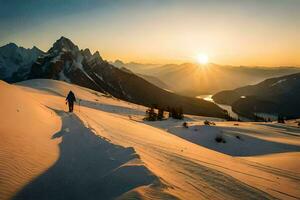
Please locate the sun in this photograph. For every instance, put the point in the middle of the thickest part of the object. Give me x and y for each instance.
(202, 58)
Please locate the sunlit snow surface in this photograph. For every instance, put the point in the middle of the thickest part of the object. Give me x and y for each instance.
(104, 150)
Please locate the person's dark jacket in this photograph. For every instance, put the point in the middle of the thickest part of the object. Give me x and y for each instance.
(71, 97)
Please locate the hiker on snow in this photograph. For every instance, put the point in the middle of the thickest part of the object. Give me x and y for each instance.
(70, 100)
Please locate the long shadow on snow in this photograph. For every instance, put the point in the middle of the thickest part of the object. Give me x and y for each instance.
(247, 145)
(88, 167)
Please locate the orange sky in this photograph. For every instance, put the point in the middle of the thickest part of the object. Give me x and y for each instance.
(232, 32)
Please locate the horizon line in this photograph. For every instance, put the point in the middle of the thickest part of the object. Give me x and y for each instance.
(178, 62)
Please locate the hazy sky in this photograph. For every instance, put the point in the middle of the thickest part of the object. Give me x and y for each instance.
(237, 32)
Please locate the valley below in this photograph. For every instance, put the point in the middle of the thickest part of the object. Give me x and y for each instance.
(227, 108)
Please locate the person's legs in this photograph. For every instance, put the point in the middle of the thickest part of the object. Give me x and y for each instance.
(69, 107)
(72, 106)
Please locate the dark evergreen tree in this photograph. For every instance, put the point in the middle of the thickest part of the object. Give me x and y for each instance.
(256, 118)
(280, 119)
(169, 111)
(177, 113)
(180, 113)
(160, 114)
(151, 115)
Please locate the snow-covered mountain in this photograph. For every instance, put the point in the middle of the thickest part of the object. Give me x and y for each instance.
(16, 62)
(65, 61)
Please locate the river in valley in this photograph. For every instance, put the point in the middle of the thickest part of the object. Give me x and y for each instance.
(228, 108)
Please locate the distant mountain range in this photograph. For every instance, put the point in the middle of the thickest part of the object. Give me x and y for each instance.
(145, 71)
(192, 79)
(277, 96)
(65, 61)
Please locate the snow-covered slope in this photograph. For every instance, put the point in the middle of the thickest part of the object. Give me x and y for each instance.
(26, 148)
(107, 151)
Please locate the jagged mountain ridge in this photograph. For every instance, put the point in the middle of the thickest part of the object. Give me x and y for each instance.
(65, 61)
(15, 61)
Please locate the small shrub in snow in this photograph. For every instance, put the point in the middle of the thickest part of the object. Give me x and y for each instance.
(220, 139)
(208, 123)
(150, 115)
(185, 125)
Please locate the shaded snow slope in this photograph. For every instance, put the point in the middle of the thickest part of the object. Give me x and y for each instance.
(105, 141)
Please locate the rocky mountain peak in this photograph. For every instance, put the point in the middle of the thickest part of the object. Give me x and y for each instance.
(92, 59)
(35, 48)
(8, 49)
(97, 56)
(63, 44)
(15, 59)
(86, 53)
(10, 45)
(118, 63)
